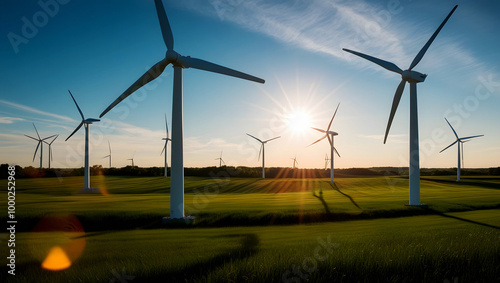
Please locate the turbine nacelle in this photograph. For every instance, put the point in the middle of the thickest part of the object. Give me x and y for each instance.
(173, 57)
(332, 133)
(89, 121)
(413, 76)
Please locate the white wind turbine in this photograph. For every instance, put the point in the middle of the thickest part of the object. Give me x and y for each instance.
(220, 159)
(40, 144)
(165, 146)
(412, 77)
(262, 151)
(329, 134)
(326, 160)
(50, 148)
(109, 155)
(179, 62)
(85, 122)
(132, 159)
(460, 145)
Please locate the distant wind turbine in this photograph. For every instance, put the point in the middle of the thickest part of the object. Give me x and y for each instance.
(460, 145)
(220, 159)
(50, 148)
(329, 134)
(326, 160)
(294, 162)
(412, 77)
(262, 150)
(109, 155)
(179, 62)
(40, 144)
(165, 146)
(85, 122)
(132, 159)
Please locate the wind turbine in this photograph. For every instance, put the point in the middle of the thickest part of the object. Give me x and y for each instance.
(326, 160)
(165, 147)
(294, 162)
(460, 142)
(109, 155)
(412, 77)
(40, 144)
(179, 62)
(132, 159)
(329, 134)
(85, 122)
(50, 148)
(262, 150)
(220, 159)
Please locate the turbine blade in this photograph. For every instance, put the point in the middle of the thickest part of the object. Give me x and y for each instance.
(319, 130)
(166, 124)
(471, 137)
(254, 137)
(50, 153)
(150, 75)
(395, 103)
(260, 151)
(329, 140)
(39, 142)
(109, 146)
(32, 138)
(462, 145)
(449, 146)
(318, 140)
(429, 42)
(384, 64)
(36, 131)
(54, 139)
(452, 128)
(211, 67)
(164, 148)
(273, 139)
(78, 107)
(332, 118)
(76, 130)
(334, 149)
(166, 31)
(48, 138)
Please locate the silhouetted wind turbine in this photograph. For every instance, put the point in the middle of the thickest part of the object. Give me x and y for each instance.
(412, 77)
(179, 62)
(262, 150)
(132, 159)
(50, 148)
(460, 144)
(165, 146)
(220, 159)
(109, 155)
(85, 122)
(40, 144)
(326, 160)
(294, 162)
(329, 134)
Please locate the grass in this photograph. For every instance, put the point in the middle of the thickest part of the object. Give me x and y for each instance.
(457, 237)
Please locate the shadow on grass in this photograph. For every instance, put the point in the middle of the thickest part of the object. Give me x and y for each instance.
(335, 187)
(320, 197)
(462, 219)
(197, 271)
(466, 182)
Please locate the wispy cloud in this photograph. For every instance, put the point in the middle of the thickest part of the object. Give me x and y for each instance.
(9, 120)
(35, 111)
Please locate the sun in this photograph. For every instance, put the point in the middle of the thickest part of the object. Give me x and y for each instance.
(298, 121)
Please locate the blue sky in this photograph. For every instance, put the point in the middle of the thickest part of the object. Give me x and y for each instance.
(97, 49)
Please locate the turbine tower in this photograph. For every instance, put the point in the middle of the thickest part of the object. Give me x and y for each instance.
(329, 134)
(412, 77)
(85, 122)
(220, 159)
(460, 145)
(179, 62)
(40, 144)
(109, 155)
(165, 146)
(50, 148)
(262, 150)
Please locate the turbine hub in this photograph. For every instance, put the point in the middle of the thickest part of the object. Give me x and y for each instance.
(172, 57)
(413, 76)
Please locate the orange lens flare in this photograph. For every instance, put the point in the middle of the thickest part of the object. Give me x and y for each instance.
(56, 260)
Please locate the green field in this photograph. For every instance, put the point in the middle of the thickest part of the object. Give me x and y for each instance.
(273, 230)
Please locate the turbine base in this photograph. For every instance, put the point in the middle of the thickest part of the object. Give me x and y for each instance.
(186, 220)
(89, 191)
